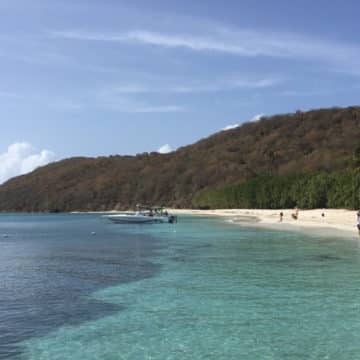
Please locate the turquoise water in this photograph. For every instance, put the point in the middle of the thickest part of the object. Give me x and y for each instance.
(220, 291)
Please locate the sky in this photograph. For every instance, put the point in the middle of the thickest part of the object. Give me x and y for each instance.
(93, 78)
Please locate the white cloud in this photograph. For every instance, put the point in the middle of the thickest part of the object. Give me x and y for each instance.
(132, 89)
(21, 158)
(244, 43)
(234, 126)
(257, 117)
(296, 93)
(216, 85)
(230, 127)
(111, 100)
(6, 94)
(156, 109)
(236, 41)
(165, 149)
(141, 109)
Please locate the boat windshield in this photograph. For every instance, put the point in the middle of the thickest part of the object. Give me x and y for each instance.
(150, 210)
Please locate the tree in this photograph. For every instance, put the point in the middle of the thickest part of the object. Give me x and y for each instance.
(356, 155)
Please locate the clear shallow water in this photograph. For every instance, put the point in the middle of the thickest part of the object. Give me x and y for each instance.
(49, 264)
(201, 289)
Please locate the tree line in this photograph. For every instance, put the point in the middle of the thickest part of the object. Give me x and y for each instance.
(305, 190)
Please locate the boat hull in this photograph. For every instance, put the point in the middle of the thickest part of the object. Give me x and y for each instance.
(136, 219)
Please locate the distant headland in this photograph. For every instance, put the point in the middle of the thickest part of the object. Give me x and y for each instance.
(306, 159)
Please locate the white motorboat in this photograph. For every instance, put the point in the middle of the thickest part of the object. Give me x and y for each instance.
(144, 215)
(136, 218)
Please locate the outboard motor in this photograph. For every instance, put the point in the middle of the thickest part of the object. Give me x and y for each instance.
(172, 219)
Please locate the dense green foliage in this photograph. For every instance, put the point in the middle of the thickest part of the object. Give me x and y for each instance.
(318, 141)
(306, 190)
(356, 155)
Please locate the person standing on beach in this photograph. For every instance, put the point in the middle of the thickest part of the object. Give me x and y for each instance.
(281, 216)
(358, 221)
(295, 215)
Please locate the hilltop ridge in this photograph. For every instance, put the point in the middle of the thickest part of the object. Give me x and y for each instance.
(278, 145)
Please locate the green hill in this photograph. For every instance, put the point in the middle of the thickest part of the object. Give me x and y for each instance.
(282, 145)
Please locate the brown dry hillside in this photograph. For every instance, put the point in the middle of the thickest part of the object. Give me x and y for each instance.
(305, 141)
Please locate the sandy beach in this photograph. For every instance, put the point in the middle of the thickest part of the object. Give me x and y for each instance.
(337, 219)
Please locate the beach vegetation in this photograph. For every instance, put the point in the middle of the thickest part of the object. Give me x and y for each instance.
(305, 190)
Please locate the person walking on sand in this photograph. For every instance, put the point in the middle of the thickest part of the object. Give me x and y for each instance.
(358, 221)
(281, 216)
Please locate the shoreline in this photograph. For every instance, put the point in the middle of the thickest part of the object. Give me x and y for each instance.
(341, 220)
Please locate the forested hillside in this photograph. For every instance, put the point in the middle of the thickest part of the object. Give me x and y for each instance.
(283, 145)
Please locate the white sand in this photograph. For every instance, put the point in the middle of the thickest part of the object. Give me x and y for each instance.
(336, 219)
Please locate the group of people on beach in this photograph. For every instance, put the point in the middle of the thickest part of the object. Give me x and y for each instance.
(295, 216)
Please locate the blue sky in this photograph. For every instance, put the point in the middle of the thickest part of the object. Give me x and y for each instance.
(89, 77)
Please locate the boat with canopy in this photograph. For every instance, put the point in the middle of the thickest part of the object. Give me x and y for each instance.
(144, 215)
